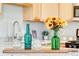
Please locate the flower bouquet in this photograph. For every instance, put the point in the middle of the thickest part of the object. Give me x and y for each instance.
(55, 23)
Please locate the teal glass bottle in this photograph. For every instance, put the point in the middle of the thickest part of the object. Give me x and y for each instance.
(27, 38)
(55, 42)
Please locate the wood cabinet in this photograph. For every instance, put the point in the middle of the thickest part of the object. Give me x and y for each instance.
(37, 8)
(21, 4)
(66, 11)
(49, 9)
(43, 10)
(31, 12)
(0, 8)
(27, 13)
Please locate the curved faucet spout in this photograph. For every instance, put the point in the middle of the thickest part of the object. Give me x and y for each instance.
(14, 35)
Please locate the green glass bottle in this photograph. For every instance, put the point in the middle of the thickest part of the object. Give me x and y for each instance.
(27, 38)
(55, 41)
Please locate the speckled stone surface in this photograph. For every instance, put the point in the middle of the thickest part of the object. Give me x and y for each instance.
(6, 44)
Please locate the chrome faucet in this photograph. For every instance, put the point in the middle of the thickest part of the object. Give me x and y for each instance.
(14, 35)
(16, 38)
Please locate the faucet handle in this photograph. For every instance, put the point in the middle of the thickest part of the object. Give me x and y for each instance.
(15, 36)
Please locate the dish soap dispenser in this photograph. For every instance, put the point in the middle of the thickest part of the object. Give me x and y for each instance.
(27, 38)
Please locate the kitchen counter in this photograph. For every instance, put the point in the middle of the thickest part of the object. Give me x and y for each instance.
(41, 50)
(68, 52)
(4, 45)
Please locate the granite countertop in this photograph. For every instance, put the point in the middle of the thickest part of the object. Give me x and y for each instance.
(44, 51)
(4, 45)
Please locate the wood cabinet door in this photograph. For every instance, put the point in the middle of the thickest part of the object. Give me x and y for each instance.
(27, 13)
(30, 13)
(49, 9)
(0, 8)
(37, 10)
(66, 11)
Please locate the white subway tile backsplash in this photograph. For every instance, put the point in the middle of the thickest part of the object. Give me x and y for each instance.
(9, 13)
(38, 26)
(67, 31)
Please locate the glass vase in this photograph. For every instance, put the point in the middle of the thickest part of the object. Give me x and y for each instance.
(55, 41)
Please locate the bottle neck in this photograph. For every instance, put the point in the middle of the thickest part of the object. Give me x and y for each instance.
(27, 29)
(55, 32)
